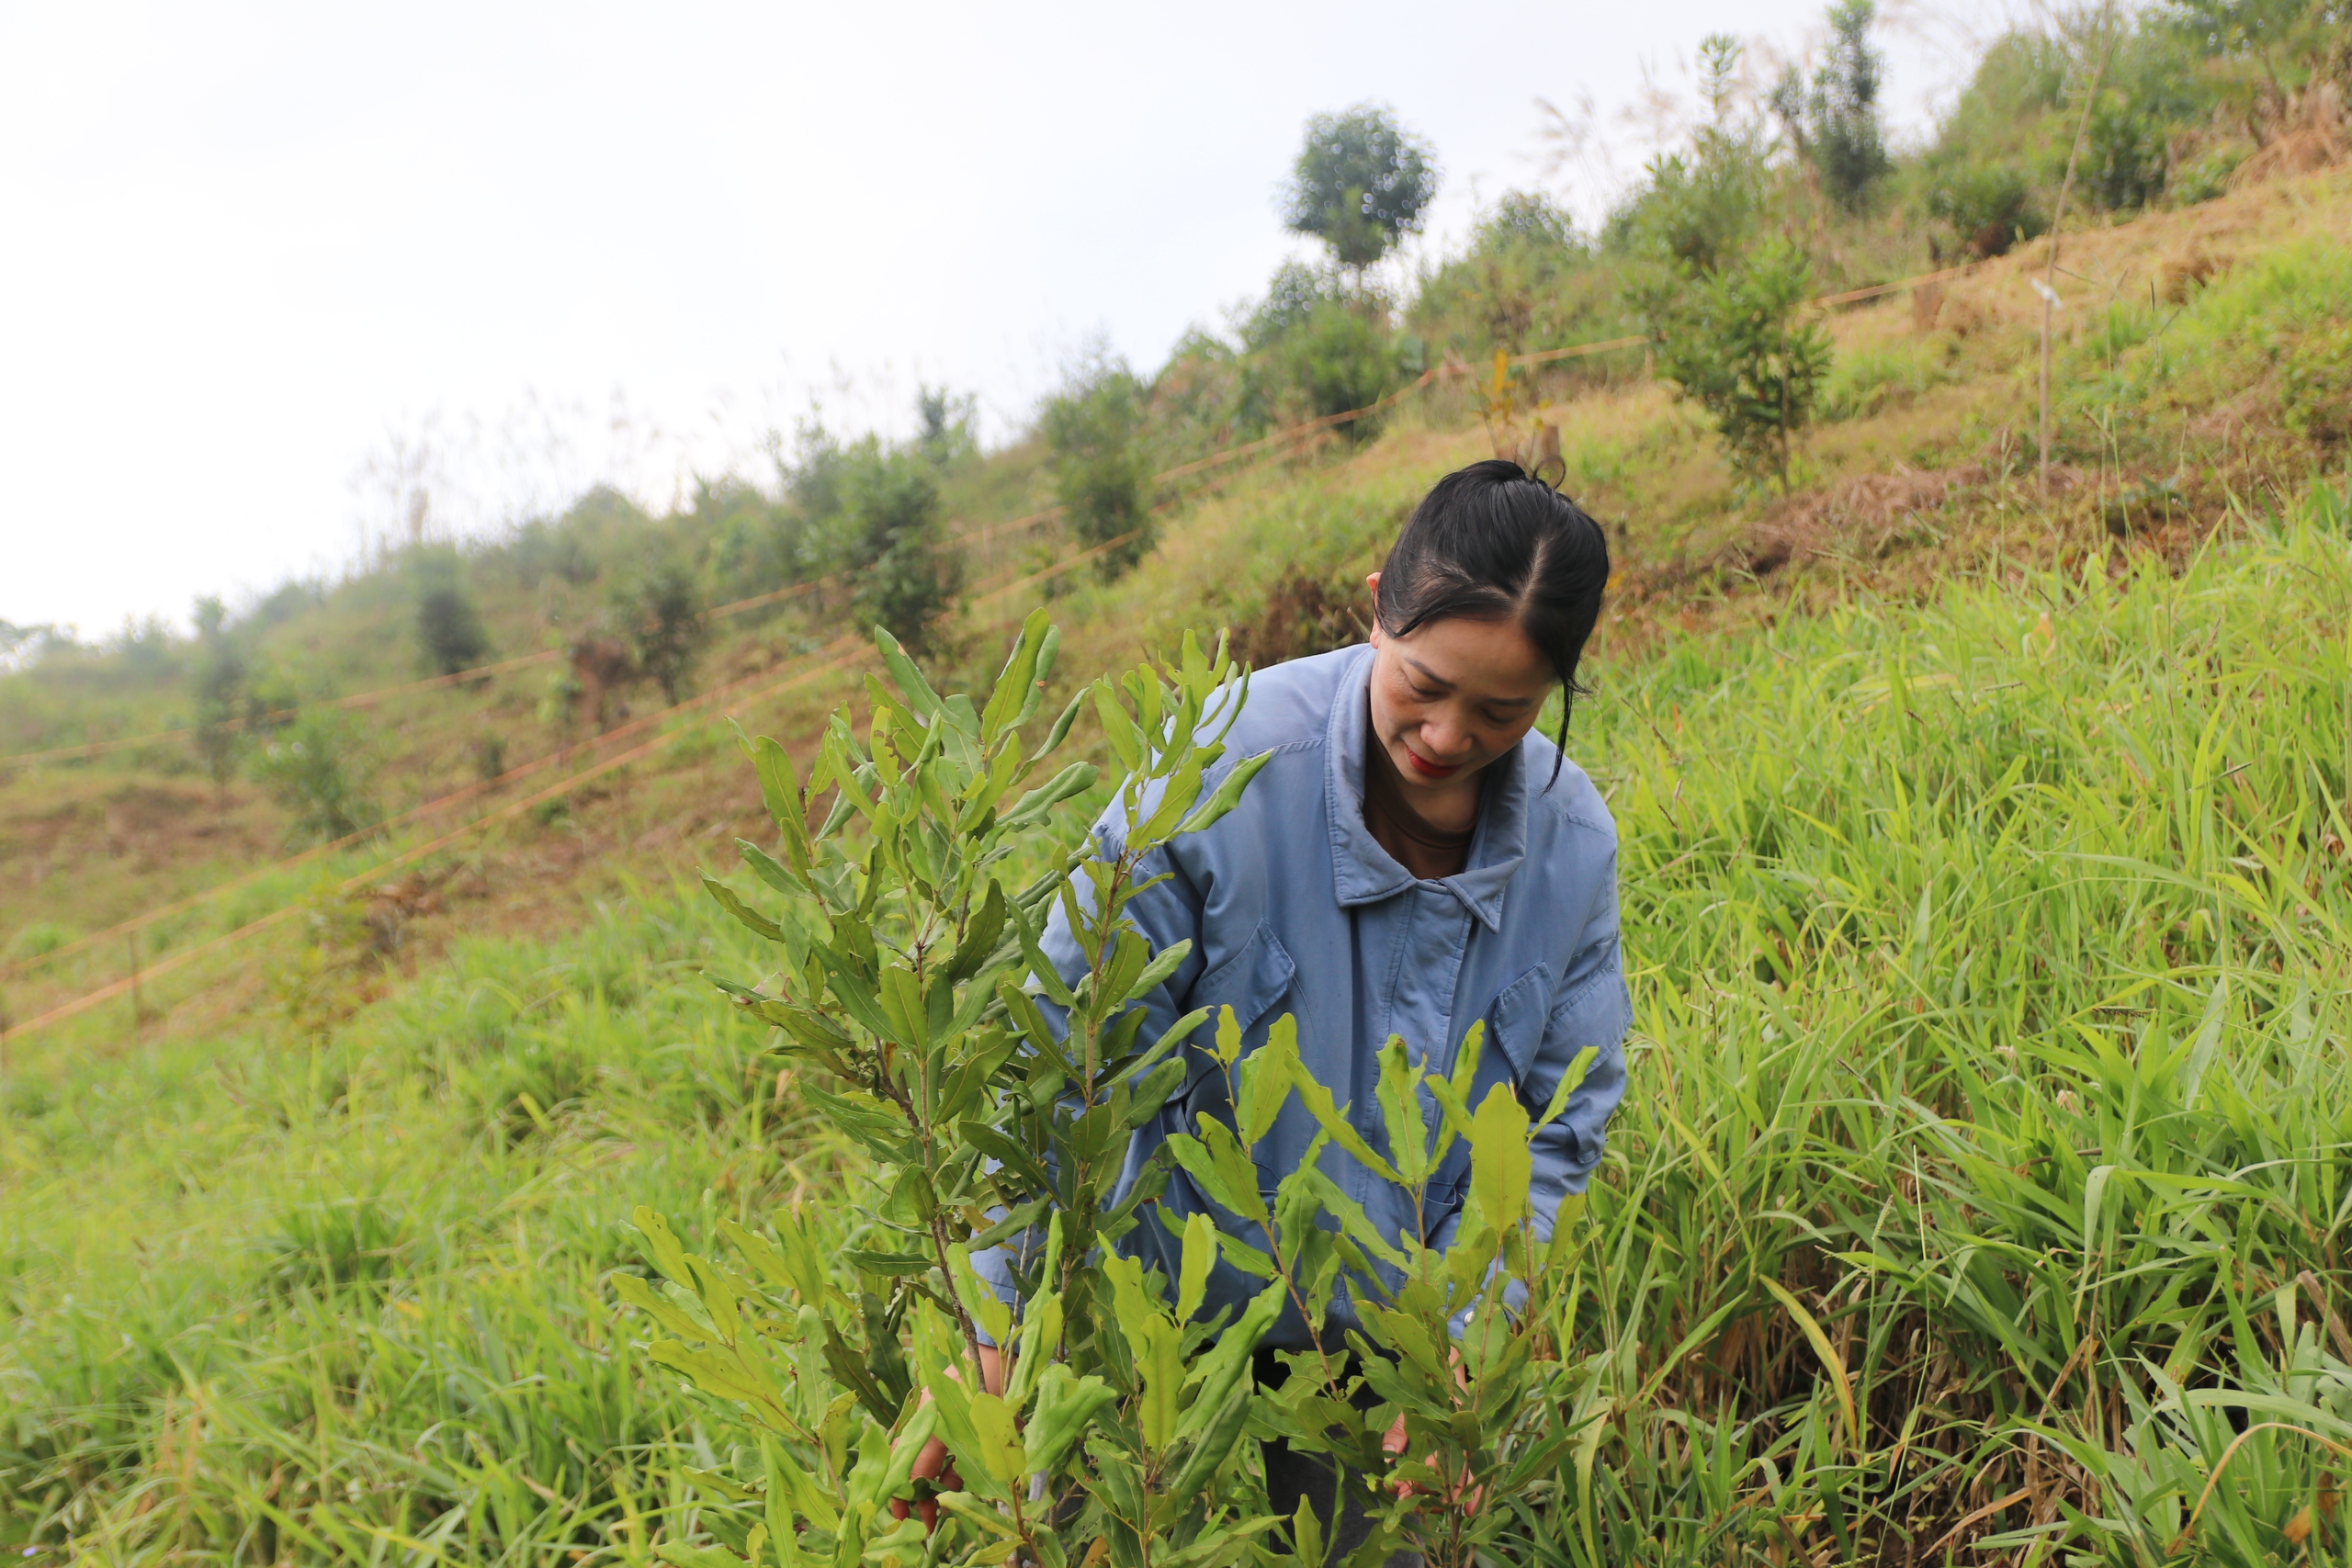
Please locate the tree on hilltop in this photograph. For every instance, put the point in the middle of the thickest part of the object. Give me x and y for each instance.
(1361, 184)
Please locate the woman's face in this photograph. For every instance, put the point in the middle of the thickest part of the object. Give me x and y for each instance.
(1453, 696)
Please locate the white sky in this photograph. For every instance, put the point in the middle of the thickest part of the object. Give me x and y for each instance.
(247, 250)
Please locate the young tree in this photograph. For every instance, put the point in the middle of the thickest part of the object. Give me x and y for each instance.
(1734, 344)
(1834, 122)
(448, 622)
(663, 614)
(906, 576)
(317, 770)
(947, 417)
(1696, 209)
(1361, 184)
(221, 698)
(1100, 472)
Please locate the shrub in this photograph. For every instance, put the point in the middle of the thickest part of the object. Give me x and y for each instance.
(1341, 360)
(906, 577)
(1988, 207)
(316, 769)
(1835, 120)
(1734, 344)
(1115, 1429)
(1101, 473)
(662, 612)
(448, 624)
(223, 706)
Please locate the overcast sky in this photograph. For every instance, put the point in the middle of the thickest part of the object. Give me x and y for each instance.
(256, 256)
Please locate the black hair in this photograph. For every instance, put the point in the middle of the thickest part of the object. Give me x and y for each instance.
(1489, 543)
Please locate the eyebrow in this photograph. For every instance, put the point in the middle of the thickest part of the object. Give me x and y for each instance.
(1434, 678)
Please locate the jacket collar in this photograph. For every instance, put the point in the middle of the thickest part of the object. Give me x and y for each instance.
(1363, 872)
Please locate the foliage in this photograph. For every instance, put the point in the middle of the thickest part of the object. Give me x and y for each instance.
(1528, 279)
(1292, 295)
(1735, 344)
(317, 770)
(1339, 359)
(223, 707)
(1694, 211)
(1101, 472)
(905, 575)
(449, 622)
(1117, 1413)
(1835, 117)
(661, 612)
(944, 425)
(1988, 207)
(1361, 184)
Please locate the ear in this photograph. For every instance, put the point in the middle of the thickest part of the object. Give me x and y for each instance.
(1376, 636)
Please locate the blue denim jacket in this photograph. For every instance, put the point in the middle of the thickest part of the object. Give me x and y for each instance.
(1292, 907)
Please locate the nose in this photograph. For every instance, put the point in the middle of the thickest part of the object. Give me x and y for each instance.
(1445, 740)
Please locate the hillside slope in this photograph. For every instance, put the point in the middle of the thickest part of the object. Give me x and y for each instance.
(1966, 837)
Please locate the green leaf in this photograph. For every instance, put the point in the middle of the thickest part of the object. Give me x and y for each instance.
(1334, 1122)
(780, 792)
(905, 676)
(1062, 724)
(1500, 1163)
(1031, 809)
(1016, 686)
(1265, 1080)
(1119, 727)
(1067, 1405)
(1399, 1092)
(979, 1298)
(980, 936)
(1227, 796)
(749, 917)
(1226, 1175)
(1199, 1256)
(668, 1256)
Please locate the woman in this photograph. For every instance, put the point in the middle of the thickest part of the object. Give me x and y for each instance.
(1413, 860)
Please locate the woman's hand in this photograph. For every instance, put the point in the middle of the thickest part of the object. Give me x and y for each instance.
(933, 1463)
(1459, 1491)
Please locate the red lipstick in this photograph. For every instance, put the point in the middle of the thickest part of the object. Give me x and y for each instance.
(1427, 769)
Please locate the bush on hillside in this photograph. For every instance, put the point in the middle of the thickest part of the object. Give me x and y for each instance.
(1987, 207)
(317, 770)
(1342, 358)
(945, 432)
(1102, 473)
(662, 612)
(1735, 343)
(1695, 209)
(601, 527)
(980, 1126)
(448, 623)
(906, 577)
(1527, 280)
(221, 711)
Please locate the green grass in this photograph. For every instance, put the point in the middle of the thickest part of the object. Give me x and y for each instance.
(1991, 966)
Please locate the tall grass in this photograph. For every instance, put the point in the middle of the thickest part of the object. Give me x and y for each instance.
(1981, 1189)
